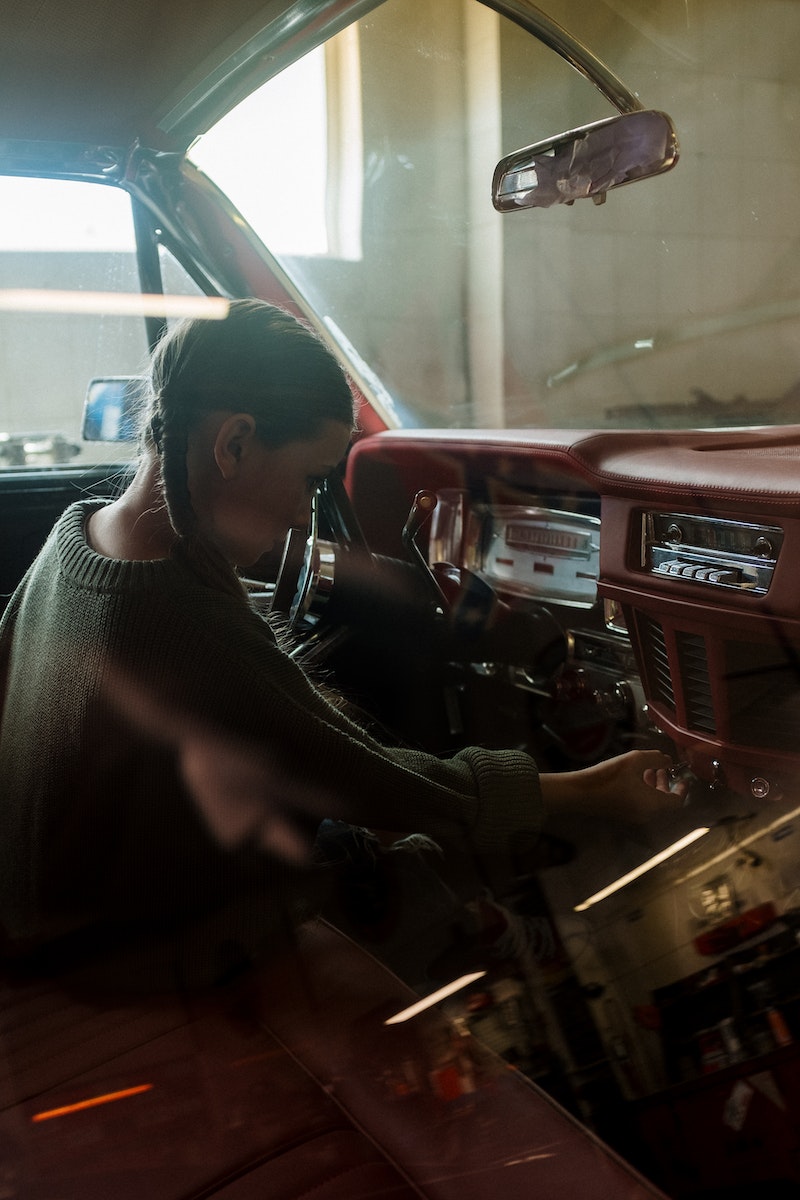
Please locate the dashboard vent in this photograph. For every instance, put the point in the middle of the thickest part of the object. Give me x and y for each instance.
(696, 682)
(657, 661)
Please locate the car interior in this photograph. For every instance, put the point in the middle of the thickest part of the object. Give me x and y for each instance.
(550, 244)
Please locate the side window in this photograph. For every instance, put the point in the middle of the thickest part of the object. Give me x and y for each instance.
(61, 242)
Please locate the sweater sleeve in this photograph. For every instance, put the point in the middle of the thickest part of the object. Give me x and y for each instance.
(220, 664)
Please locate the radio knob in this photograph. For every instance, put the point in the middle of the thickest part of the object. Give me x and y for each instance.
(763, 547)
(674, 533)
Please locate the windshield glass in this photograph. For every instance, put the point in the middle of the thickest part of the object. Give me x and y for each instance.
(366, 169)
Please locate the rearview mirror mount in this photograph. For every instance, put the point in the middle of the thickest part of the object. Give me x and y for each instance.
(586, 162)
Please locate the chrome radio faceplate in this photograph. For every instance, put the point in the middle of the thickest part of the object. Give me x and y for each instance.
(715, 552)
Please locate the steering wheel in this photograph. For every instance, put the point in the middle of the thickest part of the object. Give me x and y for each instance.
(398, 618)
(316, 576)
(310, 562)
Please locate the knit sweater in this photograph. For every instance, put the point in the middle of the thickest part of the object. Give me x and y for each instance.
(96, 819)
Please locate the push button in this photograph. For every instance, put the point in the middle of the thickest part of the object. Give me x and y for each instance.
(724, 575)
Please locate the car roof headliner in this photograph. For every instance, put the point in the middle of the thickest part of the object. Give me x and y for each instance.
(109, 72)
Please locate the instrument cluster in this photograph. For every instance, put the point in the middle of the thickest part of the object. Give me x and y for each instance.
(528, 552)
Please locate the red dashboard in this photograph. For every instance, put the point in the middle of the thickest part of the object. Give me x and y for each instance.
(699, 551)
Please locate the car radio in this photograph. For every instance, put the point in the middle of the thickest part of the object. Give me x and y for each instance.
(710, 550)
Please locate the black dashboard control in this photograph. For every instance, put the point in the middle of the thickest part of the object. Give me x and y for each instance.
(617, 702)
(717, 775)
(718, 552)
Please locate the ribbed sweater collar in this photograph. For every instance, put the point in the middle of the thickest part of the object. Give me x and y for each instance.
(86, 568)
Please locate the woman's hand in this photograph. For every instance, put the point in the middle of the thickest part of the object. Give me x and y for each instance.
(632, 788)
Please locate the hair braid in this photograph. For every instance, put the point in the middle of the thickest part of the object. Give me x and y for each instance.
(154, 431)
(190, 547)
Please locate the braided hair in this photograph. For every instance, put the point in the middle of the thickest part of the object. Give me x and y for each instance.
(260, 360)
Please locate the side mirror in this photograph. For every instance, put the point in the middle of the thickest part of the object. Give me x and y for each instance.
(111, 409)
(586, 162)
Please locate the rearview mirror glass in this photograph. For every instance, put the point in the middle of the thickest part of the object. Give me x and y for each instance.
(586, 162)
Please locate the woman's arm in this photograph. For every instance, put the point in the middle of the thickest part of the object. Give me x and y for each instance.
(632, 788)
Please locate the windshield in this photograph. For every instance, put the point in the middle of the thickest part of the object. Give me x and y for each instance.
(366, 170)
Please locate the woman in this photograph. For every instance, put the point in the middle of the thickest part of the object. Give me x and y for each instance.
(137, 677)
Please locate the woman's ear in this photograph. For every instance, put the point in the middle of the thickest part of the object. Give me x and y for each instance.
(232, 442)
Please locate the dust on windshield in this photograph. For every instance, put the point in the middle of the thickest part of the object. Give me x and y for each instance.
(366, 170)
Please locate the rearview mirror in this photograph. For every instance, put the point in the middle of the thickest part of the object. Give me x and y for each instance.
(586, 162)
